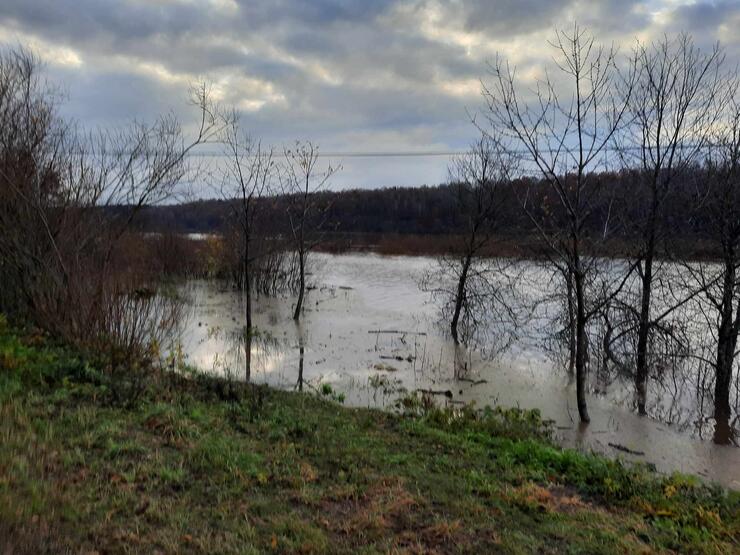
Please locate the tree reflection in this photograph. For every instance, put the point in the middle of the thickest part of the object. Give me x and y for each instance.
(301, 352)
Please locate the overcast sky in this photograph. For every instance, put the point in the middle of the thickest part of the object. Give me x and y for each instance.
(351, 75)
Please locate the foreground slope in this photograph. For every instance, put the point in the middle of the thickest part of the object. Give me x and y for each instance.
(200, 465)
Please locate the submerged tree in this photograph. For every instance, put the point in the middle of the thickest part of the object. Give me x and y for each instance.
(673, 107)
(720, 283)
(246, 178)
(301, 180)
(472, 287)
(562, 135)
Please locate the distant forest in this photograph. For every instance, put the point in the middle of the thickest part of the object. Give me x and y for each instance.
(434, 210)
(422, 210)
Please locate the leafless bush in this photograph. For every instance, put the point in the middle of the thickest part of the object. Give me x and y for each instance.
(273, 265)
(165, 255)
(138, 329)
(67, 200)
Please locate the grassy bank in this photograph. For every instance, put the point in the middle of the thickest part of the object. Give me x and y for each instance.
(203, 466)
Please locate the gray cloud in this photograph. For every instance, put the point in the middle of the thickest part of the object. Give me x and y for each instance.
(350, 74)
(510, 17)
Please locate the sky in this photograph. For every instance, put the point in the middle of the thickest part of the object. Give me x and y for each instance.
(353, 76)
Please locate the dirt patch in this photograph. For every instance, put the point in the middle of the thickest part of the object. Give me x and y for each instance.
(383, 367)
(388, 512)
(382, 507)
(554, 498)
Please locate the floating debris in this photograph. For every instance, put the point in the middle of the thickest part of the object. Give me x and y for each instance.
(385, 367)
(624, 449)
(398, 332)
(447, 393)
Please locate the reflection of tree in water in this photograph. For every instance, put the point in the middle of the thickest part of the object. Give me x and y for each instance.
(300, 366)
(301, 353)
(680, 388)
(246, 351)
(248, 354)
(463, 362)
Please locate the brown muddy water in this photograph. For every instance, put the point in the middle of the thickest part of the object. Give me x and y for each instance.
(373, 335)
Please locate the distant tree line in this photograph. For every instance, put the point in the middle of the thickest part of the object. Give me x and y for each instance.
(435, 210)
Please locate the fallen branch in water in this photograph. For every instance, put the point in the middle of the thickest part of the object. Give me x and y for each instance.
(446, 392)
(626, 449)
(399, 332)
(397, 357)
(472, 382)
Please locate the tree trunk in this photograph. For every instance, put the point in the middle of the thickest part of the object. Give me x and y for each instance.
(302, 285)
(643, 333)
(646, 291)
(581, 348)
(571, 324)
(726, 345)
(459, 297)
(247, 284)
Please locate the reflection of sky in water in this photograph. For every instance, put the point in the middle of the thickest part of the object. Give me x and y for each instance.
(352, 297)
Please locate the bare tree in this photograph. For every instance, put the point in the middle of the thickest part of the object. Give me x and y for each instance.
(246, 178)
(69, 197)
(32, 136)
(125, 170)
(301, 181)
(563, 135)
(719, 197)
(672, 109)
(472, 287)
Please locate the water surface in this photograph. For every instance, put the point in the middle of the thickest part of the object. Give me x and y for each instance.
(372, 334)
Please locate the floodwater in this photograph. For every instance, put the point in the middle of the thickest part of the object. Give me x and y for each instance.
(372, 334)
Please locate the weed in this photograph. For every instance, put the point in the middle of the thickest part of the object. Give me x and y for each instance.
(327, 391)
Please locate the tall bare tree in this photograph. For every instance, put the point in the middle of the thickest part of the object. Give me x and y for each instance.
(672, 109)
(246, 177)
(301, 181)
(563, 133)
(719, 199)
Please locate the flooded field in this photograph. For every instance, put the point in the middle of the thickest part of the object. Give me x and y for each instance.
(372, 334)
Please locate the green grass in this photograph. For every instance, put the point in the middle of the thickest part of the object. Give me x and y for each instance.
(191, 469)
